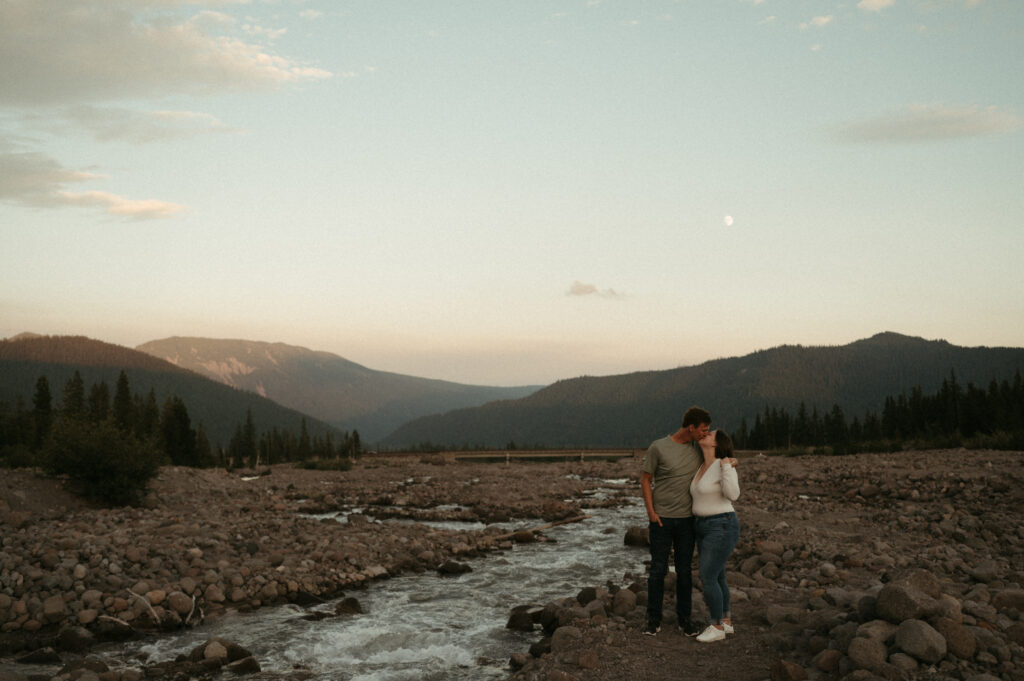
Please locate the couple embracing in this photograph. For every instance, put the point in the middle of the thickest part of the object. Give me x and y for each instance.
(689, 482)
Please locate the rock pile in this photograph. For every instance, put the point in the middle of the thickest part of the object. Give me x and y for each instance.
(207, 542)
(870, 567)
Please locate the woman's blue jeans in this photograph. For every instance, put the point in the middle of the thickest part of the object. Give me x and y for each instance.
(673, 534)
(716, 538)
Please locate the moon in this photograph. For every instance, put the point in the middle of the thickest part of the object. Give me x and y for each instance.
(728, 221)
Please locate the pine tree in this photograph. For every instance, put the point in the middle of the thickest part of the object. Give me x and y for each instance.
(42, 412)
(148, 422)
(73, 404)
(177, 435)
(124, 406)
(305, 450)
(99, 402)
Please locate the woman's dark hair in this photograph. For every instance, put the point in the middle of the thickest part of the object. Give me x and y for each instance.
(723, 445)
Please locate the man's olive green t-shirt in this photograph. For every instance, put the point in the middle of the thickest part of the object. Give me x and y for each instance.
(673, 466)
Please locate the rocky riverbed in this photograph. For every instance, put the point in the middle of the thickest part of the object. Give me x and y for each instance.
(897, 566)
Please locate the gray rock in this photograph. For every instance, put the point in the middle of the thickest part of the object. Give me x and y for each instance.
(784, 670)
(623, 602)
(866, 653)
(919, 640)
(897, 603)
(520, 619)
(986, 571)
(959, 639)
(564, 637)
(1009, 598)
(246, 665)
(75, 639)
(53, 609)
(637, 536)
(877, 630)
(923, 581)
(903, 662)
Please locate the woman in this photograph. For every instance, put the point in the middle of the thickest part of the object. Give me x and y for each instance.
(714, 488)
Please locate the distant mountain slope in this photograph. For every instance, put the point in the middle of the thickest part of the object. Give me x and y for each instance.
(633, 409)
(331, 388)
(26, 357)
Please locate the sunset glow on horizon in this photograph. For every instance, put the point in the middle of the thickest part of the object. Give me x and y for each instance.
(511, 193)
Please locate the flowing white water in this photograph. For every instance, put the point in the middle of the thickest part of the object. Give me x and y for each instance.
(428, 627)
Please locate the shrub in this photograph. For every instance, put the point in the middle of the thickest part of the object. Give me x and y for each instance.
(103, 463)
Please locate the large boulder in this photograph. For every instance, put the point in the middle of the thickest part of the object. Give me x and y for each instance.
(866, 653)
(520, 619)
(899, 602)
(75, 639)
(623, 602)
(564, 637)
(637, 536)
(920, 640)
(959, 639)
(1009, 598)
(923, 581)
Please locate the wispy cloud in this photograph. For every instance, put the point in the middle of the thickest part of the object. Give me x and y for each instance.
(580, 289)
(56, 51)
(263, 32)
(817, 22)
(108, 123)
(145, 209)
(924, 123)
(35, 179)
(875, 5)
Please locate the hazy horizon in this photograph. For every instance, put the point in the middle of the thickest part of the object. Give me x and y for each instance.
(513, 193)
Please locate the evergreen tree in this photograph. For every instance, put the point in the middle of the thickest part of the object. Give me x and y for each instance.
(305, 450)
(176, 433)
(203, 451)
(249, 442)
(124, 405)
(42, 412)
(148, 422)
(99, 402)
(73, 404)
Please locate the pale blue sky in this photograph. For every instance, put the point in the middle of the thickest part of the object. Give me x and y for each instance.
(513, 192)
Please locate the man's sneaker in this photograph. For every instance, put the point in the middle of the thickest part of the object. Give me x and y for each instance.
(712, 634)
(689, 628)
(728, 628)
(652, 628)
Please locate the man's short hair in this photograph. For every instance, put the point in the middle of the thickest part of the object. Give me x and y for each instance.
(695, 416)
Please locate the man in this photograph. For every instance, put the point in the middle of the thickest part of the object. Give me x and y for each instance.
(668, 468)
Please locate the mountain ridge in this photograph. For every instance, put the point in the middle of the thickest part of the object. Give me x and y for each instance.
(336, 390)
(631, 409)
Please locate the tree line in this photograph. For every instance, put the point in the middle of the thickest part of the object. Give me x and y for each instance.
(113, 443)
(955, 415)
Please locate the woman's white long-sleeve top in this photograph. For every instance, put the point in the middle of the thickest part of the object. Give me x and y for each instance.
(714, 492)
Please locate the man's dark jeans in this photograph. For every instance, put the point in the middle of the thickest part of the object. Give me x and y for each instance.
(673, 534)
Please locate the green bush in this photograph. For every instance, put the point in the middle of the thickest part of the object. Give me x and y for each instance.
(103, 463)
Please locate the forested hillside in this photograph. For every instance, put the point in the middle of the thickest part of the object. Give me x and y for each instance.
(630, 410)
(218, 407)
(333, 389)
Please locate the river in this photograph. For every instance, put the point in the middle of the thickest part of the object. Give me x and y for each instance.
(428, 627)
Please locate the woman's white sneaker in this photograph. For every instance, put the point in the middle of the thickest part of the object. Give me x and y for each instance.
(711, 634)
